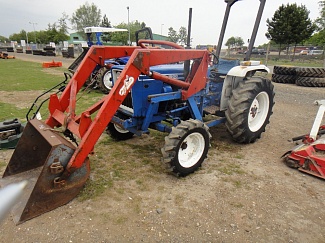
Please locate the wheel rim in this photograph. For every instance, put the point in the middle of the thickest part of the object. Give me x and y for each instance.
(191, 149)
(107, 81)
(258, 111)
(120, 129)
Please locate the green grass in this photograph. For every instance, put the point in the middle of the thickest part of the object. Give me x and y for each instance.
(20, 75)
(9, 111)
(299, 61)
(295, 63)
(120, 161)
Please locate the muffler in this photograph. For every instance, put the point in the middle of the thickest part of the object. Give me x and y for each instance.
(40, 158)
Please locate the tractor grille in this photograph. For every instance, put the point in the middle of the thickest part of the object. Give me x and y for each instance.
(128, 101)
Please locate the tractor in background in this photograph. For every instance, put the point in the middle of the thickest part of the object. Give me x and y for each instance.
(168, 90)
(100, 78)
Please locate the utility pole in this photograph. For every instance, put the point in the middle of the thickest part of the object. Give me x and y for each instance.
(129, 24)
(34, 30)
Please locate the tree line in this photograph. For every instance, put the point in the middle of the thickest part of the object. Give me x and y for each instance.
(289, 26)
(88, 15)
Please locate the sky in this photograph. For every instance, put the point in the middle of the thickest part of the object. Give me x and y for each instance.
(207, 16)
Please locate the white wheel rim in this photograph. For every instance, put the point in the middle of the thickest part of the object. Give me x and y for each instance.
(107, 80)
(258, 111)
(120, 129)
(191, 150)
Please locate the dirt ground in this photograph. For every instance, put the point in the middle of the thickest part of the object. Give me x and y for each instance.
(242, 193)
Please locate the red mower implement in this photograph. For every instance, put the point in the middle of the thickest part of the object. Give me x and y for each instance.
(309, 157)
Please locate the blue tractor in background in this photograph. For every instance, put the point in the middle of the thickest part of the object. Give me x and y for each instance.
(100, 78)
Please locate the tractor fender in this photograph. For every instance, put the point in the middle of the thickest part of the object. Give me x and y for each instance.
(242, 70)
(234, 76)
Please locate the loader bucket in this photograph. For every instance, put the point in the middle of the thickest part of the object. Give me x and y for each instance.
(40, 158)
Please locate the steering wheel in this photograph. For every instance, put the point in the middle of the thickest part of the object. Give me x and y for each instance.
(159, 42)
(215, 58)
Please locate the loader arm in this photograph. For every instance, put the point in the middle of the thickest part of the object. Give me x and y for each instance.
(140, 61)
(56, 170)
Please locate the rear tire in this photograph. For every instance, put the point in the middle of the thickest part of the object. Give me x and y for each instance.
(310, 82)
(105, 81)
(284, 70)
(186, 147)
(284, 79)
(311, 72)
(249, 109)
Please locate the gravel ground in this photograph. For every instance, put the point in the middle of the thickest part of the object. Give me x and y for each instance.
(243, 193)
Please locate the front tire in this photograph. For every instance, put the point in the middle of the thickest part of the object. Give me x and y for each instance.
(117, 132)
(249, 110)
(186, 147)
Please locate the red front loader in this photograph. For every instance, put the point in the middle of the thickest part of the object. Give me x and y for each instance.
(56, 169)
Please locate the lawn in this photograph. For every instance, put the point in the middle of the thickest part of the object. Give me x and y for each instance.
(17, 75)
(22, 82)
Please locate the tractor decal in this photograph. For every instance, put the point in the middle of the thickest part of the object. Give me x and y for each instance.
(128, 81)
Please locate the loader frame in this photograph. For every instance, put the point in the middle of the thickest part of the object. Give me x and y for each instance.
(141, 59)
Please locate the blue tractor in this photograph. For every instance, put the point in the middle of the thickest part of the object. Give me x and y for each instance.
(236, 93)
(182, 92)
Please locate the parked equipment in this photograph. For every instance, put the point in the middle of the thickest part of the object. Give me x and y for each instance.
(96, 80)
(51, 64)
(150, 91)
(10, 133)
(4, 55)
(309, 157)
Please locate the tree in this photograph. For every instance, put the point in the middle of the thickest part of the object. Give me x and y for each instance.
(182, 34)
(290, 24)
(231, 42)
(172, 35)
(122, 37)
(234, 42)
(62, 24)
(105, 23)
(20, 36)
(180, 37)
(320, 21)
(3, 39)
(86, 15)
(318, 39)
(54, 34)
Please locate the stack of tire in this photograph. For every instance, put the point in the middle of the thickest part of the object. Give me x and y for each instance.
(310, 77)
(49, 51)
(301, 76)
(284, 74)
